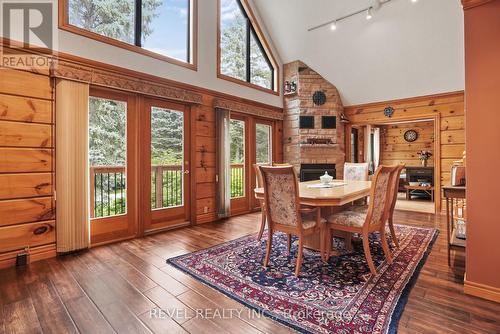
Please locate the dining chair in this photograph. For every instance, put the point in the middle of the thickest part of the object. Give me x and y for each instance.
(259, 184)
(395, 190)
(373, 220)
(284, 213)
(356, 171)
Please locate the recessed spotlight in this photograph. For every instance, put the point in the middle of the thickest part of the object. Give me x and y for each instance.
(333, 26)
(369, 14)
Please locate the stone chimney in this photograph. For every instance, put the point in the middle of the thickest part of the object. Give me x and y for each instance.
(316, 145)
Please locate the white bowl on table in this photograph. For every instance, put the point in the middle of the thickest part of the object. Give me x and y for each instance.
(326, 178)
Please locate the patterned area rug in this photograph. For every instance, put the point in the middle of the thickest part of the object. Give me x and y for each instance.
(337, 297)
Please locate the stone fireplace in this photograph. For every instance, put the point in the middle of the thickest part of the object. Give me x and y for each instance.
(312, 132)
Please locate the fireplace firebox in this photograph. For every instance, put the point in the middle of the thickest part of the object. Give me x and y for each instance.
(311, 172)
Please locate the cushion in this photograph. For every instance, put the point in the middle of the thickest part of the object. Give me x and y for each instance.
(309, 220)
(351, 218)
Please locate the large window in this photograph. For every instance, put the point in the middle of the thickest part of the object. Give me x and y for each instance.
(156, 27)
(242, 53)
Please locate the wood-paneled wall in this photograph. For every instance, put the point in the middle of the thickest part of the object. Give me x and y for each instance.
(394, 149)
(27, 206)
(449, 108)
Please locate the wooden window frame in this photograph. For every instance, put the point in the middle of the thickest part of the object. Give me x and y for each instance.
(192, 32)
(261, 41)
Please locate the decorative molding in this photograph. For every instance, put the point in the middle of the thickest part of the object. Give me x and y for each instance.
(247, 109)
(103, 78)
(468, 4)
(482, 290)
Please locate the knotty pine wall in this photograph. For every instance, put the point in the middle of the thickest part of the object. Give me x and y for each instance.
(449, 107)
(394, 149)
(27, 207)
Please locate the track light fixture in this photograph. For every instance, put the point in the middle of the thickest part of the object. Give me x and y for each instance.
(369, 13)
(376, 5)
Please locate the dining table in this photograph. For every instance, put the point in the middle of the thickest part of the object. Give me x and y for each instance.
(335, 197)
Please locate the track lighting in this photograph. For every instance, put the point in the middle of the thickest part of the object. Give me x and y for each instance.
(369, 13)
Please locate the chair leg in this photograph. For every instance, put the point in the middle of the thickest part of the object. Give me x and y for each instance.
(385, 245)
(348, 241)
(368, 255)
(262, 224)
(289, 242)
(268, 248)
(299, 257)
(393, 232)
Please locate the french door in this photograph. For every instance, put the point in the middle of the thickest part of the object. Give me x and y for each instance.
(251, 141)
(165, 167)
(113, 165)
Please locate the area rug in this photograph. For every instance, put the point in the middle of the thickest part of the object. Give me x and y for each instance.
(337, 297)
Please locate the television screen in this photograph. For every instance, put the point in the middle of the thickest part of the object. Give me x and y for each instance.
(306, 122)
(328, 122)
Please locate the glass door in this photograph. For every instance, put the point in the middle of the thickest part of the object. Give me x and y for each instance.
(263, 149)
(238, 153)
(112, 158)
(166, 169)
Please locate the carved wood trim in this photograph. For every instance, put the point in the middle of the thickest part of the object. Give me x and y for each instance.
(468, 4)
(247, 109)
(82, 73)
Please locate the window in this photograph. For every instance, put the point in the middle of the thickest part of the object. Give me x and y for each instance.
(161, 28)
(237, 151)
(242, 54)
(107, 157)
(263, 144)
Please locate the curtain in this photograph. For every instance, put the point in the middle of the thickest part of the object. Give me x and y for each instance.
(223, 176)
(376, 148)
(72, 177)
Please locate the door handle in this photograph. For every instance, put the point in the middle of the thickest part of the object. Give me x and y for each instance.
(186, 171)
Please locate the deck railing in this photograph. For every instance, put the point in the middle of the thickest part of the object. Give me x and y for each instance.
(108, 188)
(237, 180)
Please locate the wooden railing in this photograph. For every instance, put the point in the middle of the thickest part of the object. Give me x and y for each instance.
(237, 180)
(108, 189)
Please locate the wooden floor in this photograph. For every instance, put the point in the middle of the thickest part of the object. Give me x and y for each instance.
(113, 288)
(415, 204)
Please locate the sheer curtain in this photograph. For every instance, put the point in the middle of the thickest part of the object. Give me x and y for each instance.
(223, 176)
(72, 177)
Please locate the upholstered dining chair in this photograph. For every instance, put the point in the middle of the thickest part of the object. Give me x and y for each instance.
(373, 220)
(356, 171)
(283, 210)
(395, 189)
(259, 184)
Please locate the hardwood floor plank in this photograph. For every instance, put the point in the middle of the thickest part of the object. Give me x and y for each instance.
(203, 326)
(168, 302)
(87, 317)
(123, 319)
(164, 325)
(21, 317)
(49, 308)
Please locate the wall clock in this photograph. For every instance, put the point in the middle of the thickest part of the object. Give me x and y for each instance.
(319, 98)
(411, 135)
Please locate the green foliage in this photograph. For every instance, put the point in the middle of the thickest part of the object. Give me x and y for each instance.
(237, 146)
(112, 18)
(233, 51)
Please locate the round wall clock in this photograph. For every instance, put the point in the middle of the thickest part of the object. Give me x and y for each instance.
(411, 135)
(319, 98)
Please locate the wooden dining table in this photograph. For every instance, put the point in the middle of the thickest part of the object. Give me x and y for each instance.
(329, 200)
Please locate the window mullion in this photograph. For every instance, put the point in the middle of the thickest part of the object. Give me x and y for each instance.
(138, 23)
(248, 31)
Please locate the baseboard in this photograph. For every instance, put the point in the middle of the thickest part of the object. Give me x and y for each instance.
(482, 291)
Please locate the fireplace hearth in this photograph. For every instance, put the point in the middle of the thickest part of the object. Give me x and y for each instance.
(311, 172)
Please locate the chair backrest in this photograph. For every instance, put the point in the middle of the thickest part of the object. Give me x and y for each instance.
(281, 195)
(381, 195)
(355, 171)
(395, 187)
(275, 164)
(258, 175)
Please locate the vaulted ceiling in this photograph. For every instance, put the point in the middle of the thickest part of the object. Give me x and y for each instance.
(407, 49)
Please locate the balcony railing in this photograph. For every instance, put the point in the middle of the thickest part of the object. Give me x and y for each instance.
(237, 180)
(108, 188)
